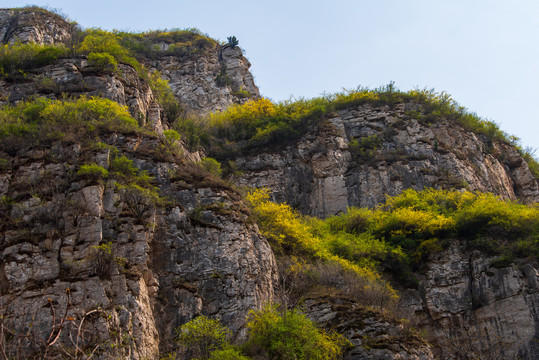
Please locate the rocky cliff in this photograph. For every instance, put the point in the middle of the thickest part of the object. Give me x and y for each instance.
(194, 80)
(33, 24)
(81, 254)
(91, 264)
(204, 82)
(359, 155)
(473, 309)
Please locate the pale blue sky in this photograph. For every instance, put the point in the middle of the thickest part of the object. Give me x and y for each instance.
(483, 52)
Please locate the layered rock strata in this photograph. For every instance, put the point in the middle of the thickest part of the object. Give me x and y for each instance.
(359, 156)
(78, 252)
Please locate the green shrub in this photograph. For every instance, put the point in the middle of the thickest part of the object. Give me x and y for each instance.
(181, 42)
(45, 120)
(396, 237)
(289, 335)
(211, 165)
(290, 234)
(232, 41)
(16, 58)
(164, 96)
(93, 171)
(171, 136)
(202, 336)
(104, 42)
(193, 132)
(222, 79)
(139, 201)
(103, 62)
(227, 354)
(242, 94)
(364, 147)
(123, 166)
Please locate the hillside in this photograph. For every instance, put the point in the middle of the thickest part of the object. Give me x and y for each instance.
(402, 225)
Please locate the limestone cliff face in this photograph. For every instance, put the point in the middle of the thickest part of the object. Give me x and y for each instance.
(200, 254)
(77, 250)
(195, 80)
(322, 173)
(473, 309)
(33, 25)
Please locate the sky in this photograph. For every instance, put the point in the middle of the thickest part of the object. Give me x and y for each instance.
(483, 52)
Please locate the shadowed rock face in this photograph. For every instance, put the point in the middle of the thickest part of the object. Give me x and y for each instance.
(321, 174)
(31, 25)
(371, 335)
(472, 308)
(161, 268)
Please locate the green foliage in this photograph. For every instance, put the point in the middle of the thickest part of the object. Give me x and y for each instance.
(202, 336)
(16, 58)
(43, 120)
(222, 79)
(398, 236)
(140, 201)
(123, 166)
(164, 96)
(289, 335)
(232, 41)
(227, 354)
(364, 147)
(313, 240)
(171, 136)
(103, 62)
(211, 165)
(193, 132)
(242, 94)
(93, 171)
(178, 42)
(101, 41)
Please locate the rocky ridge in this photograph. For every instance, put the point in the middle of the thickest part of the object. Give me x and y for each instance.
(33, 25)
(323, 173)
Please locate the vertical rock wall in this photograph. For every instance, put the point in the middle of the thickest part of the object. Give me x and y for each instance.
(77, 251)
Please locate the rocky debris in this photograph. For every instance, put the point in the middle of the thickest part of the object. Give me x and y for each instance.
(76, 250)
(361, 155)
(471, 307)
(194, 80)
(33, 25)
(371, 335)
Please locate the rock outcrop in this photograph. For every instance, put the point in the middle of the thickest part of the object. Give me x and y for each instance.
(75, 252)
(33, 25)
(75, 77)
(210, 82)
(474, 309)
(370, 334)
(359, 156)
